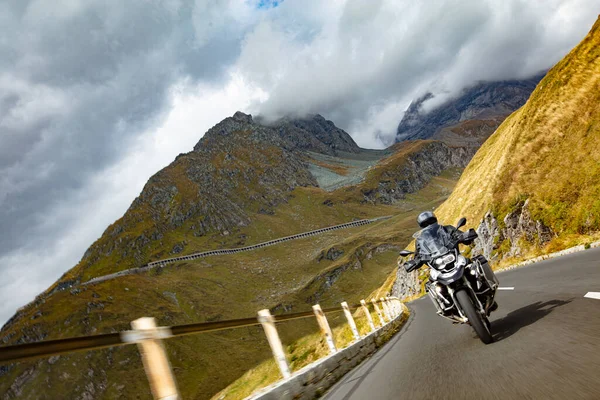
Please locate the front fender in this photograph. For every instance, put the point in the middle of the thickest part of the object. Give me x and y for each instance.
(448, 278)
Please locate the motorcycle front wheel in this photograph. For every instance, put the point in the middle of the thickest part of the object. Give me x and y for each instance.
(475, 318)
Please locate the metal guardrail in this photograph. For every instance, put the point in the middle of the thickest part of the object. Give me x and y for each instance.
(148, 337)
(53, 347)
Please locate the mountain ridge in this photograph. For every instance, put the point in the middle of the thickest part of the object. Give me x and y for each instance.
(537, 177)
(484, 106)
(243, 183)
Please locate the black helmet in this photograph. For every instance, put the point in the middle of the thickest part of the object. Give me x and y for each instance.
(426, 218)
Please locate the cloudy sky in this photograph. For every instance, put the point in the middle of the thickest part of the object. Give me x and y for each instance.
(98, 95)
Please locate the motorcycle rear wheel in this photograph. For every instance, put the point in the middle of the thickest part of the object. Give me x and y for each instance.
(475, 318)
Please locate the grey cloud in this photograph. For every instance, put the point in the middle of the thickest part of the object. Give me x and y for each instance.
(81, 81)
(79, 85)
(390, 52)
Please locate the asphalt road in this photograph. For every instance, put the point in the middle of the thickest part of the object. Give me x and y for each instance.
(547, 344)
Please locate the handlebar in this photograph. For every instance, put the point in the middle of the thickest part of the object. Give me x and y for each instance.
(411, 265)
(457, 237)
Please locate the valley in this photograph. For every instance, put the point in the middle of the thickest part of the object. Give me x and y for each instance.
(167, 220)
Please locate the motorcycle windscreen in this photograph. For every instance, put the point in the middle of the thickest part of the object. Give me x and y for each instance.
(433, 241)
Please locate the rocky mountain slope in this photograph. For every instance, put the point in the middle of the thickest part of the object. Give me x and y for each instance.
(534, 186)
(244, 183)
(315, 133)
(469, 119)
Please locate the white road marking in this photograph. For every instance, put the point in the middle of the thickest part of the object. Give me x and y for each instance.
(593, 295)
(507, 288)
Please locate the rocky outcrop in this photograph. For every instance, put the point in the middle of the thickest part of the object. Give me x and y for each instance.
(406, 285)
(418, 170)
(520, 226)
(481, 102)
(239, 164)
(319, 285)
(316, 134)
(496, 240)
(332, 254)
(489, 235)
(519, 230)
(236, 164)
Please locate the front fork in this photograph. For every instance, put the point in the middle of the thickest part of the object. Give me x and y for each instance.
(476, 302)
(442, 304)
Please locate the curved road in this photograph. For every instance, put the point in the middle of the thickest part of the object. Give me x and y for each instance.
(547, 344)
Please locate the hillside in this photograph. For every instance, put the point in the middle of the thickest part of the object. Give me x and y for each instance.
(243, 183)
(469, 119)
(534, 185)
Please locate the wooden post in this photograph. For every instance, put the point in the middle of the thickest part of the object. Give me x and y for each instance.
(378, 311)
(391, 306)
(350, 321)
(268, 323)
(396, 304)
(368, 315)
(390, 313)
(401, 306)
(386, 310)
(154, 358)
(325, 329)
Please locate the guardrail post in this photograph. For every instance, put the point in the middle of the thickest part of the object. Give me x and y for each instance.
(268, 323)
(378, 311)
(154, 358)
(350, 321)
(399, 305)
(390, 313)
(368, 315)
(386, 310)
(325, 329)
(391, 306)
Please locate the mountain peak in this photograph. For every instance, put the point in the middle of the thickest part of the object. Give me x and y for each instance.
(241, 117)
(486, 101)
(316, 133)
(310, 133)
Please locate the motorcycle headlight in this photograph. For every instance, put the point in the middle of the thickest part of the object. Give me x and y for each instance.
(444, 260)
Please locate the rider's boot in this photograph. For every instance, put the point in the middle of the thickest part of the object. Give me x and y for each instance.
(493, 307)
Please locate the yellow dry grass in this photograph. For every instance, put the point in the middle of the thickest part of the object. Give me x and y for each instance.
(300, 353)
(547, 151)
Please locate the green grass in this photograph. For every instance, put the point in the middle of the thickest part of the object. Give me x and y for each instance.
(300, 353)
(225, 287)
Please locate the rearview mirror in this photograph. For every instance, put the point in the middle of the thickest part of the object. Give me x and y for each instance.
(405, 253)
(461, 222)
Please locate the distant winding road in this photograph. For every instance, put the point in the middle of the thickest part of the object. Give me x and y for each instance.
(547, 344)
(220, 252)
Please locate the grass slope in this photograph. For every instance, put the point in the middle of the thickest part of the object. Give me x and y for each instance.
(547, 151)
(290, 276)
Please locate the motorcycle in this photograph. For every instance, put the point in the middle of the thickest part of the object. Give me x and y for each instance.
(461, 290)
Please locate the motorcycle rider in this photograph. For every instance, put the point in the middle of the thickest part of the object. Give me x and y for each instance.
(428, 220)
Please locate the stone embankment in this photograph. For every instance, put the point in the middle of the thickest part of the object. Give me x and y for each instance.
(313, 380)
